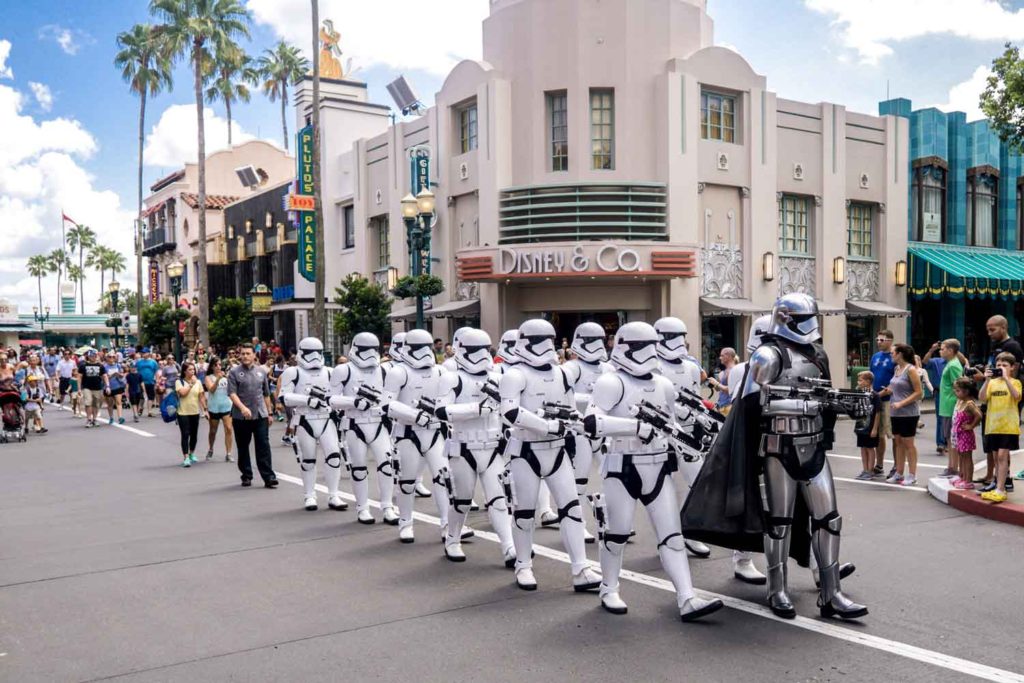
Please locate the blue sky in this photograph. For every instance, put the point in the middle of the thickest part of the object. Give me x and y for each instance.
(58, 70)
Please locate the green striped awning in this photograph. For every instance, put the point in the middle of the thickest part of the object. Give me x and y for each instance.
(956, 272)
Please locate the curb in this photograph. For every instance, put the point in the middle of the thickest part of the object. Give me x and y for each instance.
(971, 503)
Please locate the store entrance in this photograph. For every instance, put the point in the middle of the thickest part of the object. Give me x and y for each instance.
(717, 332)
(925, 327)
(566, 322)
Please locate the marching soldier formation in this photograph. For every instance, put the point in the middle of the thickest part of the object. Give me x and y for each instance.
(527, 428)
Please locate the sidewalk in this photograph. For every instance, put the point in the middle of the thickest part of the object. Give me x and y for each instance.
(1010, 512)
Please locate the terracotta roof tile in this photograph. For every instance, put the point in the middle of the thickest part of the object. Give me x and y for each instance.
(213, 201)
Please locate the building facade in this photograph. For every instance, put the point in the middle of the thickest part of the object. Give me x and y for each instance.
(965, 228)
(605, 161)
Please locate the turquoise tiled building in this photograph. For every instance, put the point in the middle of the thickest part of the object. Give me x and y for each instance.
(965, 262)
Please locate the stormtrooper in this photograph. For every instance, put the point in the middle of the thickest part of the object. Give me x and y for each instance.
(638, 467)
(473, 449)
(306, 388)
(353, 386)
(796, 425)
(590, 362)
(411, 391)
(537, 403)
(395, 353)
(449, 364)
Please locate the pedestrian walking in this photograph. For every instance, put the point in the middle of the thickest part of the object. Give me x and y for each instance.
(966, 417)
(905, 393)
(92, 376)
(34, 394)
(191, 404)
(136, 391)
(148, 369)
(115, 388)
(1001, 392)
(65, 372)
(252, 413)
(882, 367)
(218, 405)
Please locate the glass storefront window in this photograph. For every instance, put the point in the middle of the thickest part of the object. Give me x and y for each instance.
(927, 204)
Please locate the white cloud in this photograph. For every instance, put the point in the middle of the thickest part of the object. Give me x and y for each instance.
(401, 34)
(870, 27)
(173, 140)
(964, 96)
(70, 41)
(41, 175)
(5, 52)
(42, 94)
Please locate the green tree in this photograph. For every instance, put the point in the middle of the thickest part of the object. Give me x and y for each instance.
(198, 30)
(59, 263)
(39, 267)
(114, 261)
(95, 261)
(146, 67)
(158, 323)
(231, 322)
(365, 307)
(123, 297)
(81, 238)
(233, 75)
(76, 275)
(278, 67)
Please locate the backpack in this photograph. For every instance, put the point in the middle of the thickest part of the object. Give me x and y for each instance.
(169, 407)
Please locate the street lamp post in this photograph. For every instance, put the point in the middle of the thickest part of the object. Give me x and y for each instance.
(417, 212)
(41, 318)
(113, 288)
(174, 272)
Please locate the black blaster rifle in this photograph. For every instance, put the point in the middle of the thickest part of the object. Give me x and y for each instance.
(692, 447)
(567, 415)
(370, 394)
(319, 394)
(853, 402)
(490, 389)
(706, 421)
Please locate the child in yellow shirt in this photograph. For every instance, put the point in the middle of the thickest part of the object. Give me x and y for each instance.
(1001, 392)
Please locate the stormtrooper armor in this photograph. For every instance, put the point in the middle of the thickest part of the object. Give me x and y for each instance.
(507, 348)
(638, 467)
(365, 433)
(411, 391)
(795, 435)
(305, 388)
(449, 364)
(531, 392)
(395, 351)
(590, 362)
(473, 449)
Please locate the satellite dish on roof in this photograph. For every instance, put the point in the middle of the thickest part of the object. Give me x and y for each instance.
(401, 92)
(251, 177)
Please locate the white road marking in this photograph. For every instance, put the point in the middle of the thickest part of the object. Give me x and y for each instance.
(133, 430)
(820, 627)
(879, 483)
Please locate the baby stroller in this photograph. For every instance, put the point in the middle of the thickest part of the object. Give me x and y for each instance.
(14, 428)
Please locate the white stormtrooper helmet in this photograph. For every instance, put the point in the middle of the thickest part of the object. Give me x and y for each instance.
(536, 343)
(397, 346)
(365, 351)
(473, 350)
(458, 333)
(671, 338)
(634, 349)
(507, 346)
(795, 317)
(758, 329)
(588, 343)
(311, 354)
(418, 351)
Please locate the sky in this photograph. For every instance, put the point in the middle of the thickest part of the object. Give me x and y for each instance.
(69, 125)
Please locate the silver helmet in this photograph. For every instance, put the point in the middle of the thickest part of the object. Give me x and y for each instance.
(758, 329)
(588, 343)
(397, 346)
(795, 317)
(536, 343)
(473, 350)
(507, 346)
(634, 350)
(365, 350)
(418, 351)
(671, 338)
(311, 354)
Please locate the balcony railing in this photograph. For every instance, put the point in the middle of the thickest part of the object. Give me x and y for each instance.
(158, 240)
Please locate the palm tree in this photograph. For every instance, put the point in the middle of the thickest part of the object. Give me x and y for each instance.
(95, 259)
(59, 263)
(80, 238)
(193, 29)
(114, 261)
(76, 275)
(279, 67)
(39, 267)
(233, 75)
(146, 68)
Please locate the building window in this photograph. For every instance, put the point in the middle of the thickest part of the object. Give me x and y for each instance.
(467, 128)
(717, 117)
(794, 235)
(927, 204)
(195, 269)
(860, 230)
(558, 123)
(348, 216)
(602, 128)
(982, 194)
(379, 228)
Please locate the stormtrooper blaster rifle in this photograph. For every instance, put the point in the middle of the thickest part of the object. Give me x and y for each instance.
(369, 394)
(320, 394)
(570, 418)
(691, 447)
(706, 421)
(490, 389)
(818, 395)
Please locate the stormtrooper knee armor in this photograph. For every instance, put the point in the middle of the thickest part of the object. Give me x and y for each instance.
(305, 388)
(355, 388)
(638, 467)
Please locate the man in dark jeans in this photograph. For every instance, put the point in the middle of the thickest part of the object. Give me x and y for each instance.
(252, 414)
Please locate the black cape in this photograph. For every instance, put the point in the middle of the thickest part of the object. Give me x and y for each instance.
(724, 506)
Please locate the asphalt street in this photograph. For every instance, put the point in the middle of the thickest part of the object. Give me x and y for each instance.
(115, 563)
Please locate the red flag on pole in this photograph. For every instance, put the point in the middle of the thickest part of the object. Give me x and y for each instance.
(68, 219)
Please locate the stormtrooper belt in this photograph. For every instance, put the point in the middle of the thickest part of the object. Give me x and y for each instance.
(796, 425)
(617, 462)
